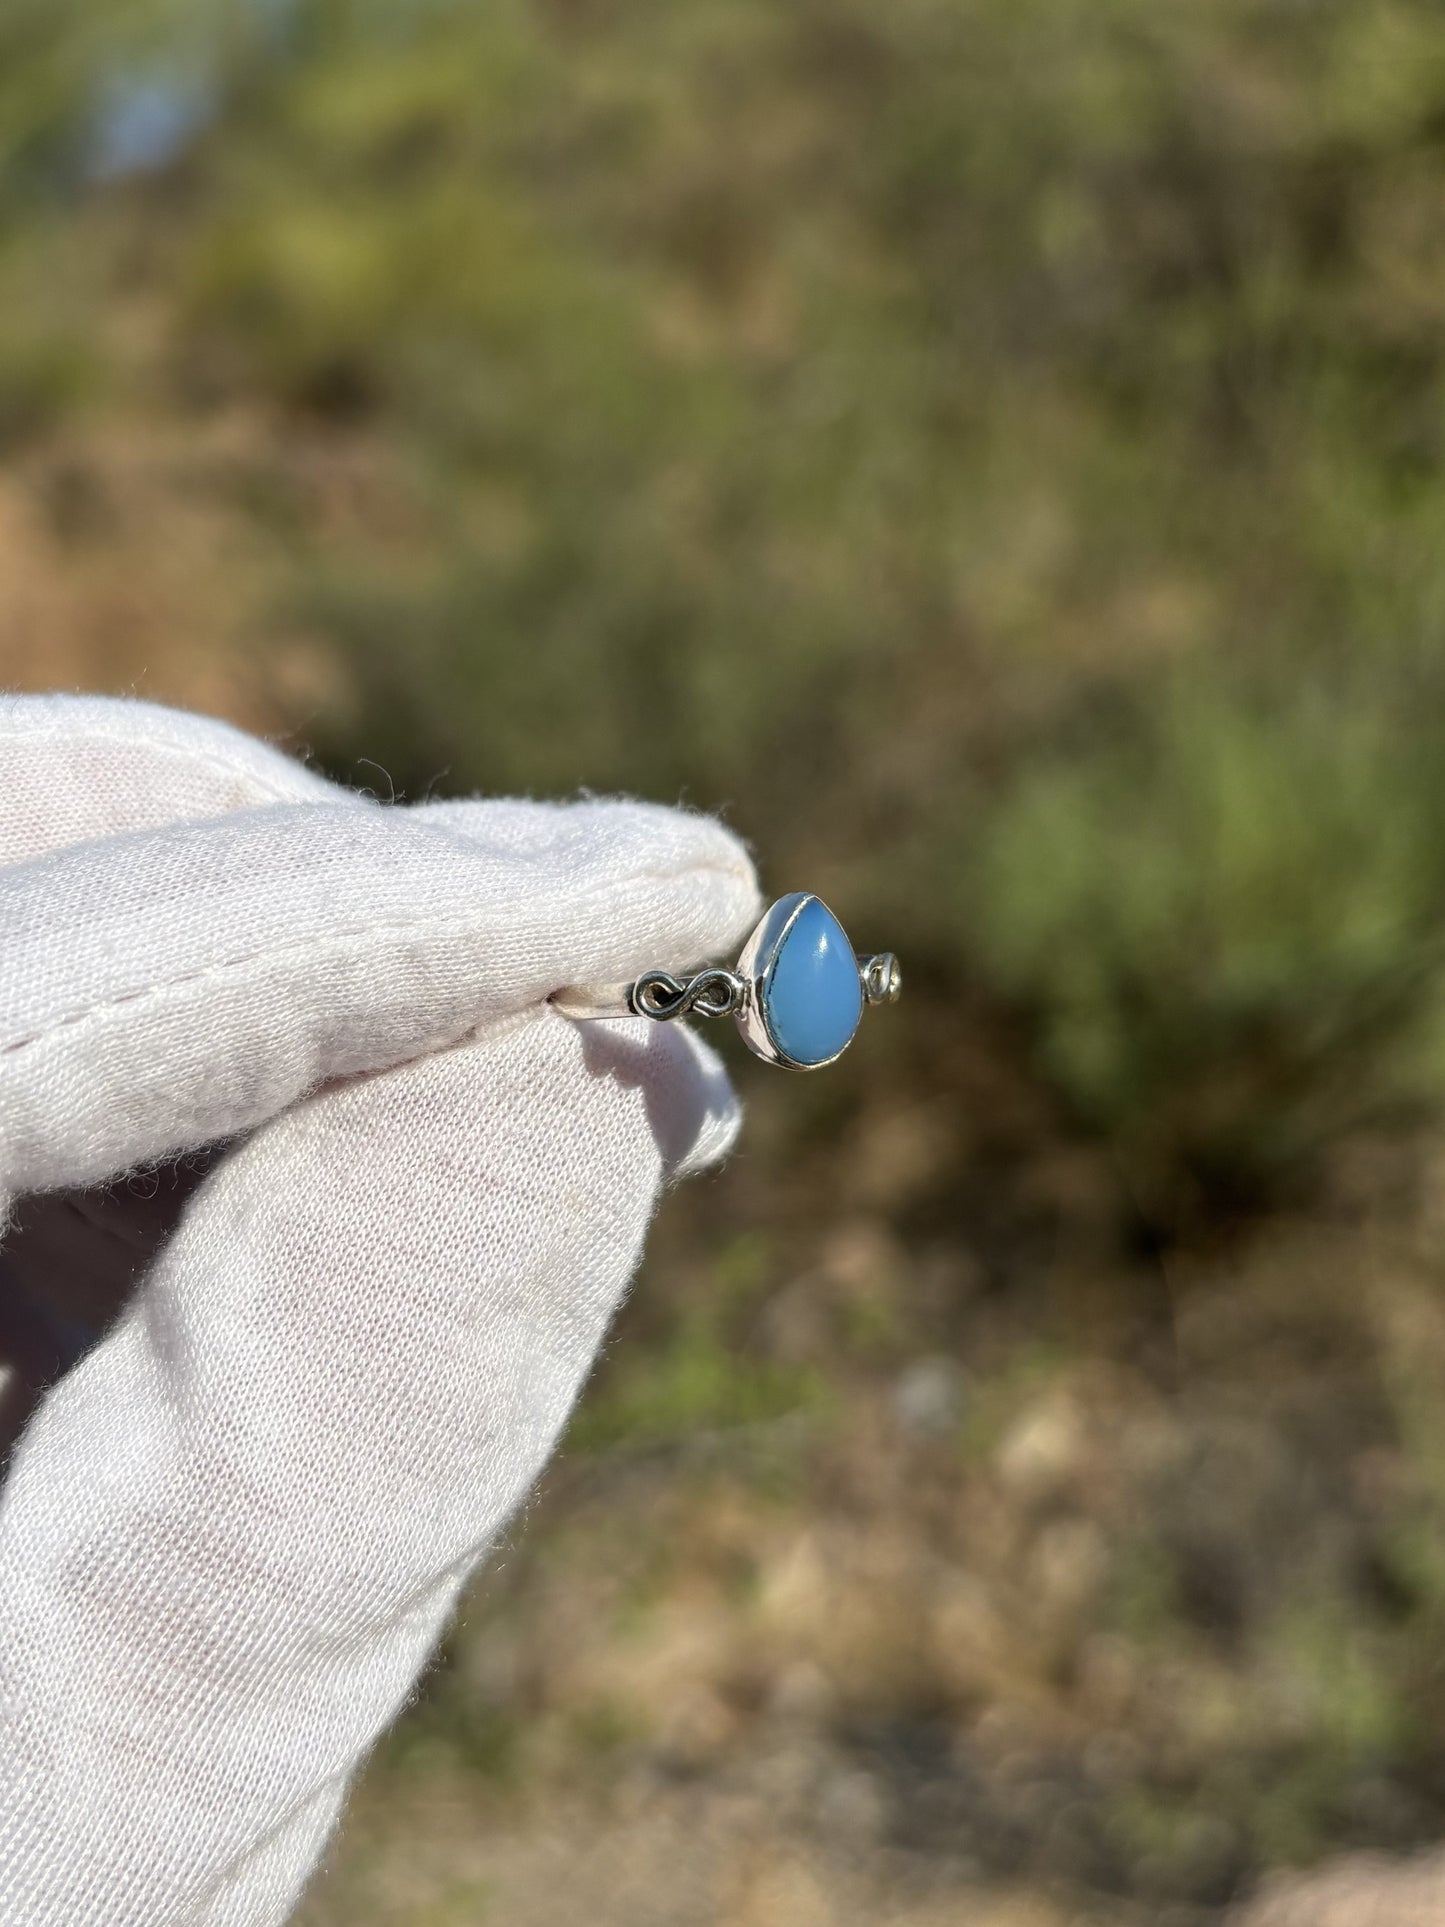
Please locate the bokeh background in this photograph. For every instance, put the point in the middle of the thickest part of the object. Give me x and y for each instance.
(994, 451)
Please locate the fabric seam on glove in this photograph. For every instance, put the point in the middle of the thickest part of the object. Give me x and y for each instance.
(329, 942)
(183, 753)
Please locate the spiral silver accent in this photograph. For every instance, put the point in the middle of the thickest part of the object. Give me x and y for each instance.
(745, 993)
(882, 977)
(711, 993)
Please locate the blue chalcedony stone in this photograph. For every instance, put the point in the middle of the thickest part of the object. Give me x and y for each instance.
(812, 997)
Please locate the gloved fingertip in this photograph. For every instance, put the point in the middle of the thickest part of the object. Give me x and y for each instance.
(614, 837)
(692, 1108)
(718, 1118)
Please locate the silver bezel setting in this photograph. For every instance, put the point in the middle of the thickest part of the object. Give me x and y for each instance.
(742, 993)
(756, 966)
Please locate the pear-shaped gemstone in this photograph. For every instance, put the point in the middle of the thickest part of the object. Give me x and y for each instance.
(812, 995)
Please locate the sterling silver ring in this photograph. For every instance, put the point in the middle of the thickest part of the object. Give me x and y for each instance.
(796, 993)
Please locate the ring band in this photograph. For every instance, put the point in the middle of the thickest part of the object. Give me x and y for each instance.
(796, 993)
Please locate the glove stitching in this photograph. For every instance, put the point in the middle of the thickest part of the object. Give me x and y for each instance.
(179, 752)
(151, 992)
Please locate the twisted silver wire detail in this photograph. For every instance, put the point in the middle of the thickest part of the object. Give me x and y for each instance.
(882, 977)
(711, 993)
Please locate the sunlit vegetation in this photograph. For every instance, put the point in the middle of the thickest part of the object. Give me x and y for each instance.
(995, 451)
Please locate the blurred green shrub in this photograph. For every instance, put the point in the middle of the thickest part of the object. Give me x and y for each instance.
(996, 450)
(1228, 922)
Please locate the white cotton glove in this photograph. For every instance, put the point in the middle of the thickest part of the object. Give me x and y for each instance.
(232, 1534)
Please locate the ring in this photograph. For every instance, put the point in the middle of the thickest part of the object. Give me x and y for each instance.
(796, 994)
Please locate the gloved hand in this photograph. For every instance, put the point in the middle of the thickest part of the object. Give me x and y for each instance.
(232, 1534)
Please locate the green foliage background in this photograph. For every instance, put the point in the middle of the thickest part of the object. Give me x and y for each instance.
(928, 431)
(993, 449)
